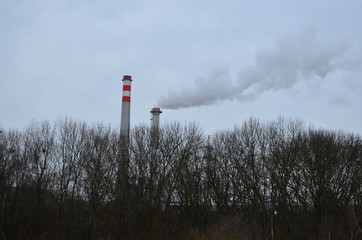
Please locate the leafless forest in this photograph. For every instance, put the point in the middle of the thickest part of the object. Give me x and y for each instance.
(260, 180)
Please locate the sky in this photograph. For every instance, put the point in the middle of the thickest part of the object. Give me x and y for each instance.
(215, 63)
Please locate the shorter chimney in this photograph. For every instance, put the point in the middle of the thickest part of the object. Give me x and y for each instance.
(155, 117)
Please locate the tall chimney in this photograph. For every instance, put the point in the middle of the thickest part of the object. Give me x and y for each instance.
(155, 117)
(126, 105)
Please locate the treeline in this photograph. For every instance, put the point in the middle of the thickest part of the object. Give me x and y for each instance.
(275, 180)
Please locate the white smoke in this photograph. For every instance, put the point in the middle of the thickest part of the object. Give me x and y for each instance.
(291, 60)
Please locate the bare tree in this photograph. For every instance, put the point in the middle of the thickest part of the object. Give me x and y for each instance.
(11, 177)
(66, 185)
(283, 138)
(96, 169)
(39, 145)
(327, 176)
(189, 171)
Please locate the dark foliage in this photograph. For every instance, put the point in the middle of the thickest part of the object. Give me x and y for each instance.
(277, 180)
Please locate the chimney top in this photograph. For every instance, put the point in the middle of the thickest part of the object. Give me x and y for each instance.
(156, 110)
(127, 77)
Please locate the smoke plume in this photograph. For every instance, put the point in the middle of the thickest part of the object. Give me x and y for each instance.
(290, 61)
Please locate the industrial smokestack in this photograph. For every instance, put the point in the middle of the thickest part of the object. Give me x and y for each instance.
(126, 105)
(155, 117)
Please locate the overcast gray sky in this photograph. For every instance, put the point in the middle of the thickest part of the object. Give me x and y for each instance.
(213, 62)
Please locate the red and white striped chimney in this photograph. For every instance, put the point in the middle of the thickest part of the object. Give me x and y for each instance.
(126, 105)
